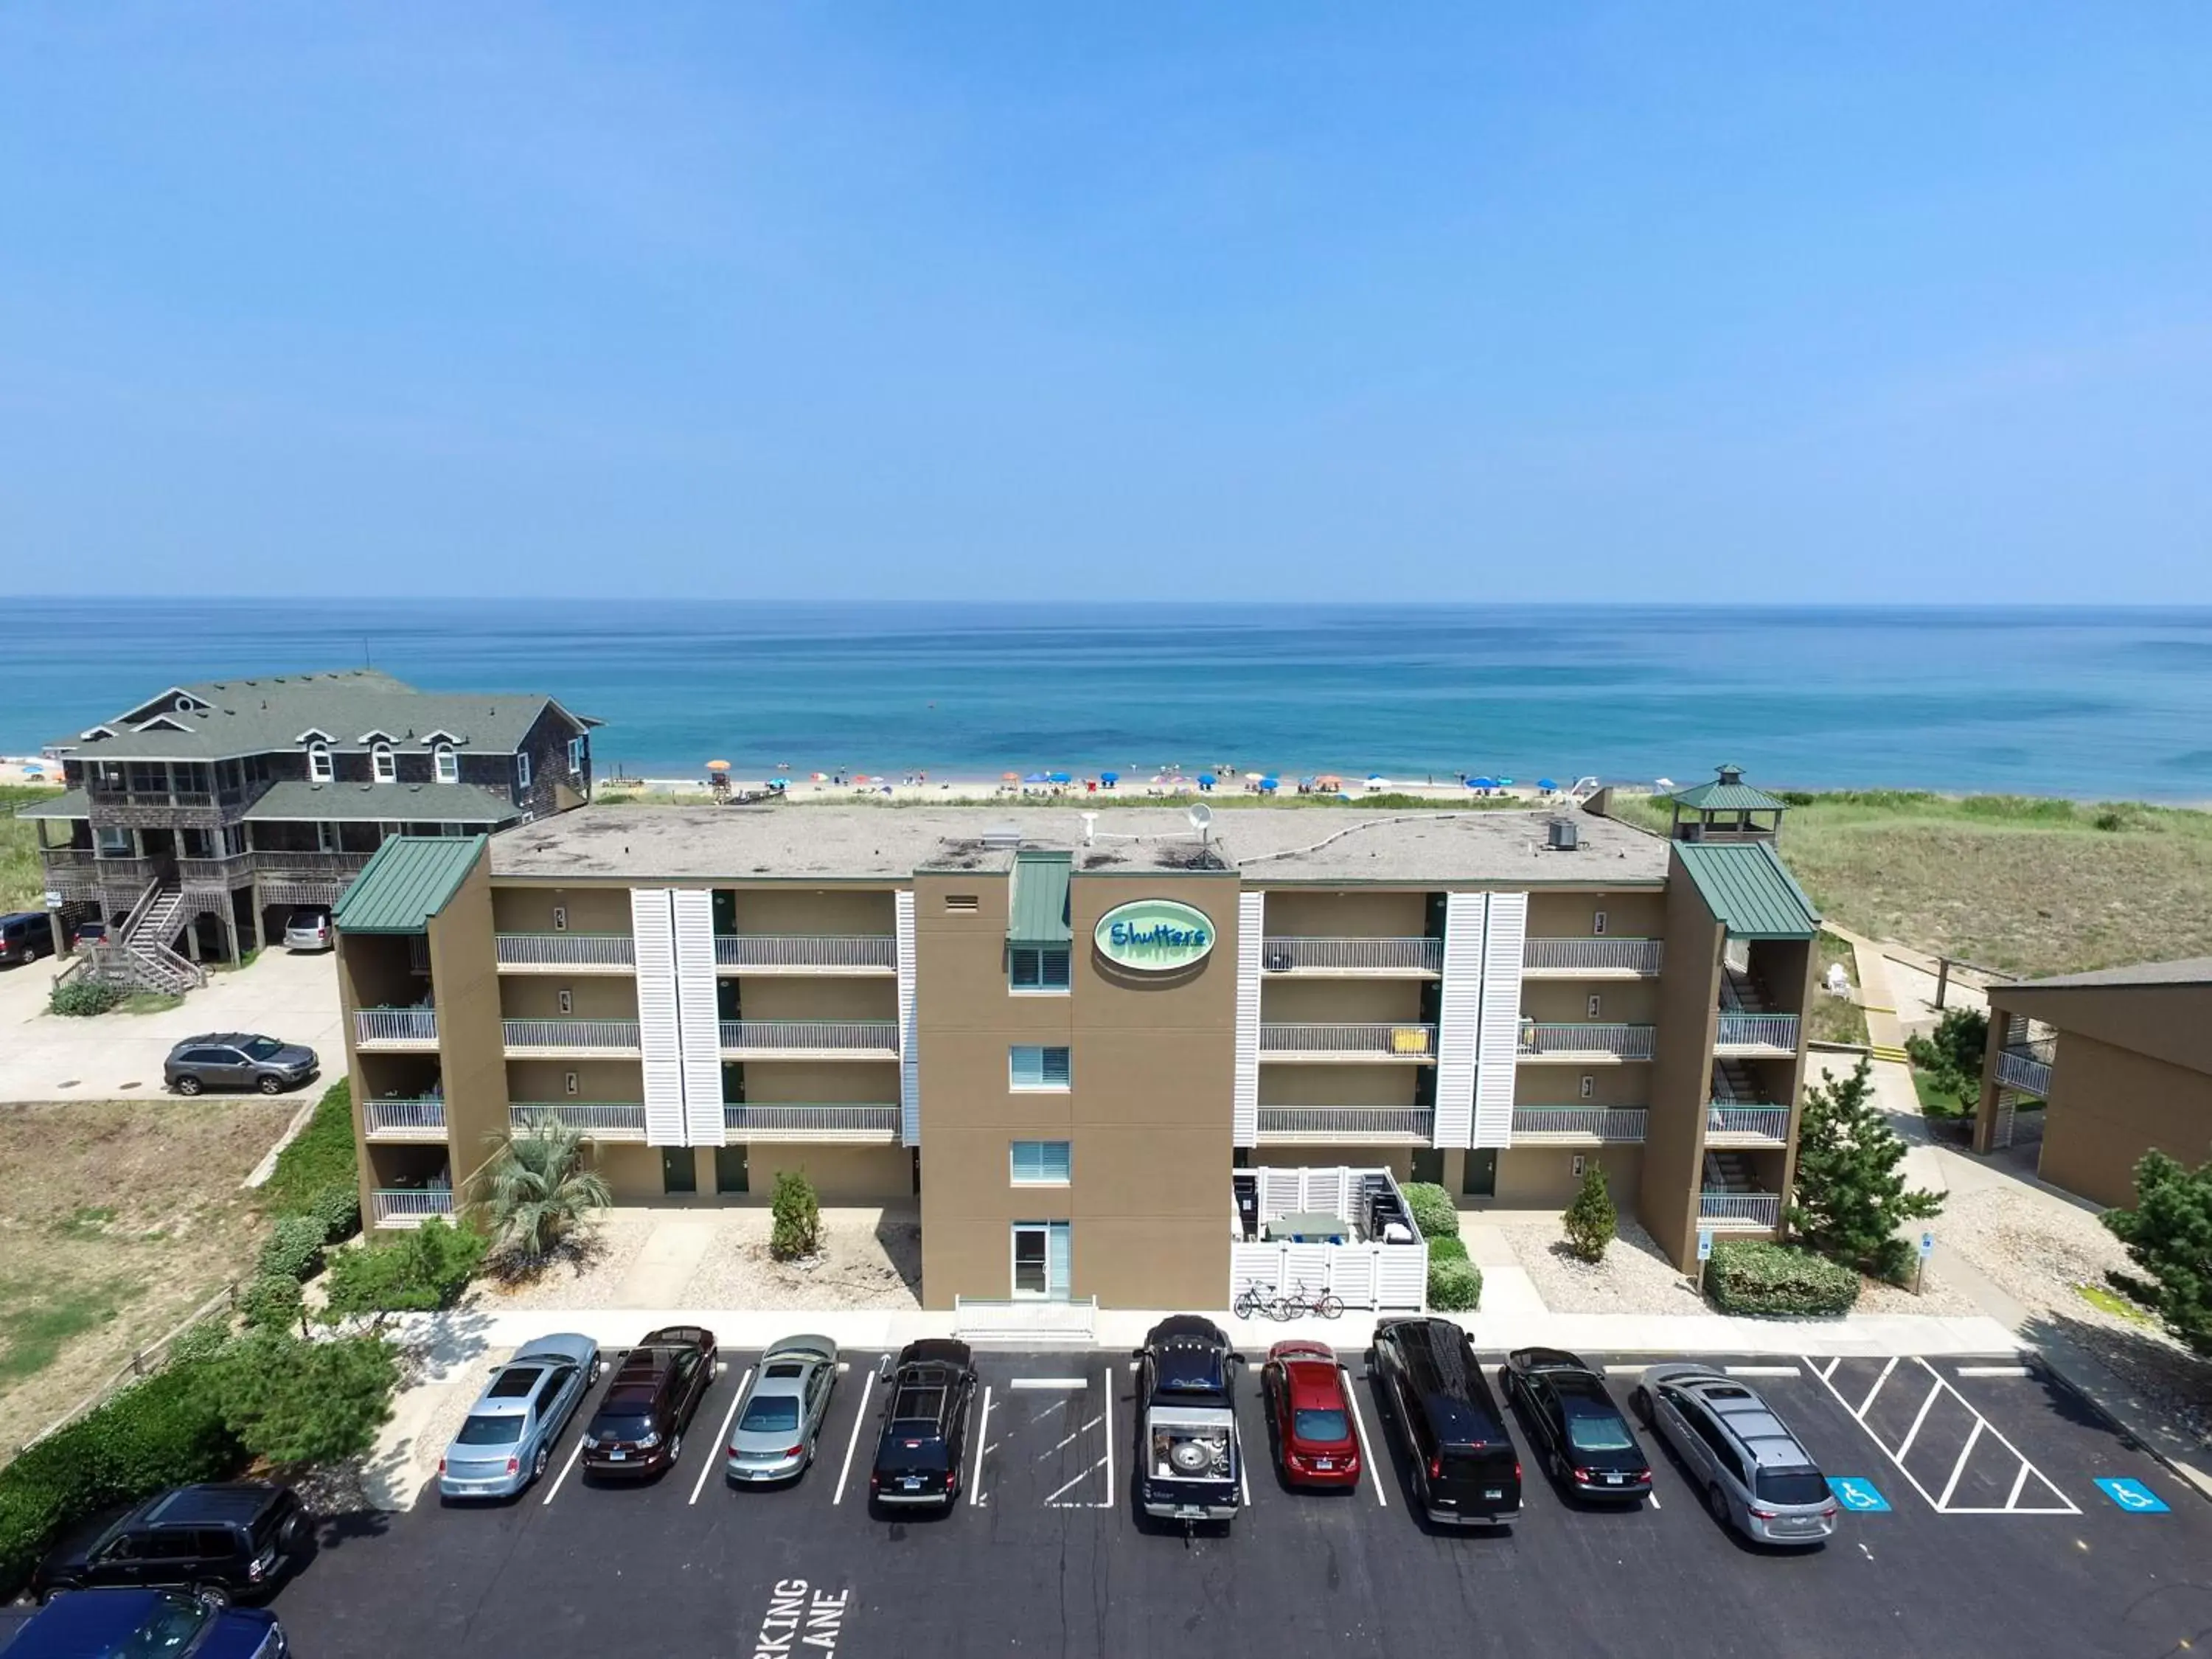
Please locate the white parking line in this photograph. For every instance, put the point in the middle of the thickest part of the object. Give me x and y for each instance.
(1996, 1371)
(1959, 1467)
(1071, 1384)
(1825, 1372)
(1243, 1468)
(1913, 1433)
(574, 1452)
(1626, 1370)
(982, 1434)
(1762, 1371)
(1106, 1380)
(868, 1382)
(1366, 1451)
(1085, 1474)
(1942, 1503)
(721, 1440)
(1865, 1404)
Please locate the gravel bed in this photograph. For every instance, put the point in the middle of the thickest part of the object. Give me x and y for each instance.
(588, 1279)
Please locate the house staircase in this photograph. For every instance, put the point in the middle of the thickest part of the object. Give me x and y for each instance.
(1725, 1173)
(137, 956)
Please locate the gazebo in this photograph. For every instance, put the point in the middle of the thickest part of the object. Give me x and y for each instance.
(1726, 809)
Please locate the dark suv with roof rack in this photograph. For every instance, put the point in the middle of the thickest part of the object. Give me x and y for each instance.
(925, 1432)
(229, 1539)
(1431, 1387)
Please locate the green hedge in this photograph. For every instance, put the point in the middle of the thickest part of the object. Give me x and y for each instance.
(165, 1431)
(337, 1206)
(421, 1270)
(1751, 1276)
(272, 1301)
(1447, 1248)
(294, 1247)
(1434, 1212)
(1455, 1283)
(78, 998)
(321, 1157)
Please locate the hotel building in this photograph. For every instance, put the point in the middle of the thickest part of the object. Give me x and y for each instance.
(1063, 1034)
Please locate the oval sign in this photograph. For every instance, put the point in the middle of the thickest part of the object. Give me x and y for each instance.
(1154, 936)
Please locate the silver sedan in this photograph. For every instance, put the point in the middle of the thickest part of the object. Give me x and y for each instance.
(507, 1437)
(779, 1420)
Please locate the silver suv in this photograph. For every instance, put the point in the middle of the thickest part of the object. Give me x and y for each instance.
(237, 1060)
(1757, 1478)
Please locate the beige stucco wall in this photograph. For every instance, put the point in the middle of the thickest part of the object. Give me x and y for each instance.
(2108, 1107)
(1627, 1002)
(591, 996)
(780, 996)
(1543, 1178)
(1574, 914)
(1398, 1160)
(1628, 1084)
(596, 1079)
(590, 909)
(814, 910)
(854, 1082)
(1688, 1004)
(1338, 1085)
(1346, 914)
(1349, 1001)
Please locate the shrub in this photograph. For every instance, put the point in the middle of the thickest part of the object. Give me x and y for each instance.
(1591, 1221)
(293, 1401)
(1432, 1209)
(337, 1206)
(795, 1227)
(1851, 1198)
(540, 1192)
(2166, 1234)
(273, 1303)
(294, 1247)
(321, 1156)
(200, 1342)
(1751, 1276)
(1455, 1285)
(423, 1270)
(78, 998)
(1448, 1249)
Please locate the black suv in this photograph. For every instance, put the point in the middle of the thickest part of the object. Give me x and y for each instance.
(1431, 1388)
(25, 935)
(237, 1060)
(231, 1540)
(925, 1433)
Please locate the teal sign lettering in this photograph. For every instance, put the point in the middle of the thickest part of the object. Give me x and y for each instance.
(1155, 936)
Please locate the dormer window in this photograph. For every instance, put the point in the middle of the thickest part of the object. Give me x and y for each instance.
(319, 769)
(384, 768)
(447, 762)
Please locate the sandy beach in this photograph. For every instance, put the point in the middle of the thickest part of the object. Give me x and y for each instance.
(931, 788)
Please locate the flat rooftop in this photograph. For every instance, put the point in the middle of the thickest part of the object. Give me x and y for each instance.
(1268, 846)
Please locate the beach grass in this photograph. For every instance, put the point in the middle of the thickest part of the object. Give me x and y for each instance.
(22, 881)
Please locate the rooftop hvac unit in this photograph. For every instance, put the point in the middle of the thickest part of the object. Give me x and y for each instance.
(1565, 835)
(1003, 836)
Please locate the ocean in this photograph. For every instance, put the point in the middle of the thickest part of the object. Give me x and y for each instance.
(2086, 703)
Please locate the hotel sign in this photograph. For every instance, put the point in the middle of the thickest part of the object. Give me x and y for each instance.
(1154, 936)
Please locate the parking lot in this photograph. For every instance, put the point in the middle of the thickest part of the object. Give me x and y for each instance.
(1973, 1526)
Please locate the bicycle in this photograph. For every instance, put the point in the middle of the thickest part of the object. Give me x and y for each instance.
(1256, 1298)
(1301, 1301)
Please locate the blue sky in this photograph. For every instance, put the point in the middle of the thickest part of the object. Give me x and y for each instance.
(1885, 302)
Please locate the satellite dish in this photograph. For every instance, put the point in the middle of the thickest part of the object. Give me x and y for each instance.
(1201, 815)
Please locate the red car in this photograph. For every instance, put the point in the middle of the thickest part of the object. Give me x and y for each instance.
(1314, 1440)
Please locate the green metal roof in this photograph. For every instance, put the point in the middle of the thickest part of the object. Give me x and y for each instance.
(1037, 914)
(406, 882)
(68, 804)
(1744, 884)
(296, 801)
(1727, 792)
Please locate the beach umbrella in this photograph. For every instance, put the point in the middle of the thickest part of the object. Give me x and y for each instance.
(1206, 779)
(1253, 777)
(1545, 785)
(1036, 777)
(776, 783)
(1482, 783)
(1271, 782)
(718, 766)
(1110, 777)
(1505, 783)
(1058, 777)
(1473, 783)
(1377, 781)
(1012, 777)
(821, 777)
(1328, 780)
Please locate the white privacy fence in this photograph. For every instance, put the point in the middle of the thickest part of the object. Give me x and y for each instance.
(1366, 1273)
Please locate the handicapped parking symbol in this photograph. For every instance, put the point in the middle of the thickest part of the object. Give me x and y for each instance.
(1859, 1495)
(2133, 1496)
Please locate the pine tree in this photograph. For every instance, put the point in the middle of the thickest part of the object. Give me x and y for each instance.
(2169, 1235)
(1852, 1198)
(1591, 1221)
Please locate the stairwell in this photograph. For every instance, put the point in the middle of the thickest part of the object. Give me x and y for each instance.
(138, 957)
(1726, 1172)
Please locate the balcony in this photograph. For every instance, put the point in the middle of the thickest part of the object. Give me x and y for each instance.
(1336, 1043)
(419, 1119)
(1730, 1124)
(811, 1039)
(588, 1038)
(1354, 958)
(78, 870)
(409, 1206)
(1578, 1126)
(566, 953)
(395, 1030)
(877, 1124)
(1591, 959)
(806, 953)
(310, 867)
(215, 875)
(1769, 1034)
(595, 1120)
(1347, 1126)
(2026, 1069)
(1584, 1043)
(1744, 1212)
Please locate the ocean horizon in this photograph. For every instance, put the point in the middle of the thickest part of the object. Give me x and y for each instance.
(2086, 703)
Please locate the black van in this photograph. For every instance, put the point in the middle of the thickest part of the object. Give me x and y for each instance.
(1430, 1385)
(25, 935)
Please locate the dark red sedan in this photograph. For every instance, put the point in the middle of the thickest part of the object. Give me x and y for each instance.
(1315, 1444)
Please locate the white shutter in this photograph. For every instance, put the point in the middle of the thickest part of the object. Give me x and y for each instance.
(1251, 929)
(1459, 1016)
(909, 1023)
(1498, 1054)
(698, 1015)
(652, 934)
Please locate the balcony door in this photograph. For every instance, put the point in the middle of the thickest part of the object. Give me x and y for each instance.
(1043, 1256)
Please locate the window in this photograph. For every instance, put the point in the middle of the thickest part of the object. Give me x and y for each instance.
(319, 769)
(963, 904)
(1041, 1162)
(576, 757)
(380, 761)
(522, 771)
(1598, 921)
(114, 843)
(1034, 967)
(447, 763)
(1032, 1067)
(1597, 1002)
(1040, 1260)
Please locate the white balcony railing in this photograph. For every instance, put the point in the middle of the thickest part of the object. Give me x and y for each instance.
(1289, 955)
(395, 1025)
(566, 950)
(421, 1119)
(810, 1120)
(570, 1033)
(409, 1207)
(1338, 1126)
(1726, 1121)
(1622, 1124)
(1767, 1031)
(807, 952)
(599, 1120)
(1365, 1042)
(811, 1036)
(1543, 1040)
(1757, 1212)
(2024, 1072)
(1567, 958)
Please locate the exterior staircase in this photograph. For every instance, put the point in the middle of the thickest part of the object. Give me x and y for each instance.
(1732, 1081)
(137, 957)
(155, 923)
(1725, 1173)
(1740, 992)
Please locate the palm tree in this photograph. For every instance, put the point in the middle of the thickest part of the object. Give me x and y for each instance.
(540, 1192)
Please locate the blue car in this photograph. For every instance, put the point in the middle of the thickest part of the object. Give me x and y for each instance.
(507, 1438)
(94, 1624)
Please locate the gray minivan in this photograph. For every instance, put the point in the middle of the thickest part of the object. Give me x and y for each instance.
(1757, 1478)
